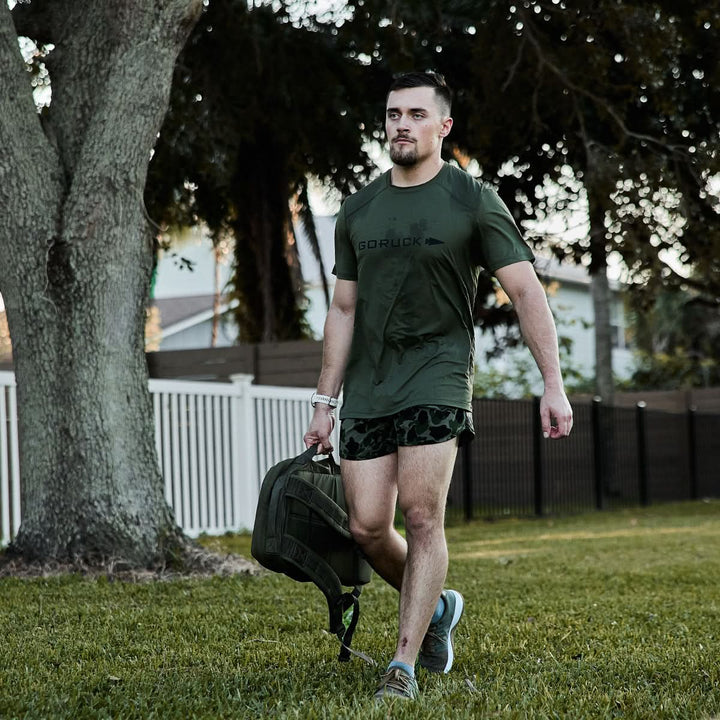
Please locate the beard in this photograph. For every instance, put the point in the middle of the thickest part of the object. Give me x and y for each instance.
(403, 155)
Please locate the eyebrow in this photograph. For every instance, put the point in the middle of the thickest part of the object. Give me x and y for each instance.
(412, 110)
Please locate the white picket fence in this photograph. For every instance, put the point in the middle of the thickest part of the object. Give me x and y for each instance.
(215, 442)
(9, 460)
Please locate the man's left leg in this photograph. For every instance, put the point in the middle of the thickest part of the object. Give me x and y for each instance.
(424, 474)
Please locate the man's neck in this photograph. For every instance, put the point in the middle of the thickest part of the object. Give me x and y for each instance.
(408, 176)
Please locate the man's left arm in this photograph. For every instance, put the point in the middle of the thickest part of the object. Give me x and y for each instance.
(538, 328)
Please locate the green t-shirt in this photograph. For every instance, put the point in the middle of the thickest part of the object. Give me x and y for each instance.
(416, 254)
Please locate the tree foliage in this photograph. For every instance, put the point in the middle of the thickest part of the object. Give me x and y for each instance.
(678, 341)
(626, 95)
(258, 104)
(614, 105)
(614, 102)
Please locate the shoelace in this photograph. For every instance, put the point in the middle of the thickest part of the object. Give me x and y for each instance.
(396, 679)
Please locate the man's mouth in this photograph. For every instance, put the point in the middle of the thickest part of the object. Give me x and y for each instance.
(403, 140)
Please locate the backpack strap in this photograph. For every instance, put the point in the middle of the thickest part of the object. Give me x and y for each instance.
(351, 602)
(276, 498)
(343, 608)
(319, 572)
(319, 502)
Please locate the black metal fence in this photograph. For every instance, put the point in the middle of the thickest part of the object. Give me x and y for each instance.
(614, 457)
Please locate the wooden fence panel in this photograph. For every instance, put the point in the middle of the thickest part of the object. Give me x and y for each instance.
(213, 364)
(294, 364)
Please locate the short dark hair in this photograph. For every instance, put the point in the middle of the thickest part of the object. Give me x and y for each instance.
(425, 79)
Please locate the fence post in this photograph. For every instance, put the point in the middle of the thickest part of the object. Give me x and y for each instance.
(598, 451)
(538, 469)
(642, 453)
(244, 453)
(467, 481)
(692, 451)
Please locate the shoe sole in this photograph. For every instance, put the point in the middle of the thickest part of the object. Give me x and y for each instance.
(459, 607)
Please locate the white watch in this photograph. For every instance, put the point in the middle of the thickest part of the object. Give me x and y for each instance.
(326, 399)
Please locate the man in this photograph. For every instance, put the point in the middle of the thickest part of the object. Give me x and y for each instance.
(399, 334)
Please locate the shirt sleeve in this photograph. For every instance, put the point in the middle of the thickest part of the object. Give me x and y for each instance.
(345, 258)
(500, 241)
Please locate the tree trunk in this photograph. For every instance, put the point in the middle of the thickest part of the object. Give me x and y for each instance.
(217, 296)
(604, 381)
(75, 274)
(601, 297)
(268, 307)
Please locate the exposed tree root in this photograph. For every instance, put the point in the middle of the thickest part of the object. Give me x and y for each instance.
(194, 562)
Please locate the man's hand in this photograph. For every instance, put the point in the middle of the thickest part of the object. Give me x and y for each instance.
(321, 426)
(556, 414)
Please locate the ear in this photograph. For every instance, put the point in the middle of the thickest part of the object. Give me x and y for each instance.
(446, 127)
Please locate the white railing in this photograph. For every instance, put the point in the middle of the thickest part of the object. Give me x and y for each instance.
(215, 442)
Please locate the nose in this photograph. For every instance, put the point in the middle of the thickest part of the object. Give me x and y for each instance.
(403, 132)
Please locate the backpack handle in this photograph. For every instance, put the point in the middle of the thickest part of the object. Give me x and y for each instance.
(307, 455)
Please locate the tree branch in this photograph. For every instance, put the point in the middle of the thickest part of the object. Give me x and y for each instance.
(31, 187)
(598, 101)
(515, 65)
(132, 48)
(30, 174)
(18, 117)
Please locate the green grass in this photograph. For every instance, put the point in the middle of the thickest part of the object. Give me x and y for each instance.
(609, 615)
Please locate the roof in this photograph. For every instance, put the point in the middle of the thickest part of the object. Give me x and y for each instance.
(177, 309)
(550, 268)
(178, 313)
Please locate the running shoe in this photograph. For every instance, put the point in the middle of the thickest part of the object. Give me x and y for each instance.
(396, 683)
(436, 651)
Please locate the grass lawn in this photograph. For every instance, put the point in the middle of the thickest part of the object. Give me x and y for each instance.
(608, 615)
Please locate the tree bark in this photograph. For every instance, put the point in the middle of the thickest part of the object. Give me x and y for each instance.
(75, 273)
(604, 380)
(601, 297)
(268, 308)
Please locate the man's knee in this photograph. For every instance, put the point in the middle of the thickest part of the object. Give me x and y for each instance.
(367, 533)
(423, 519)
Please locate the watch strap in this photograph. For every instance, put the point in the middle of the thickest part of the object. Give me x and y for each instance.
(326, 399)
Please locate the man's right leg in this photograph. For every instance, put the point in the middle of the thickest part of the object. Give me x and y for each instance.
(371, 493)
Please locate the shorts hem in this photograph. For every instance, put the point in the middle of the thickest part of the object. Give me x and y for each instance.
(364, 439)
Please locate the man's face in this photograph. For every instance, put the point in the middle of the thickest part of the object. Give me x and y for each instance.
(415, 123)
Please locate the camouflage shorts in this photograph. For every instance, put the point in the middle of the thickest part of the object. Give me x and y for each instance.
(367, 438)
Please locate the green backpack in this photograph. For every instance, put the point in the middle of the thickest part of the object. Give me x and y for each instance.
(301, 529)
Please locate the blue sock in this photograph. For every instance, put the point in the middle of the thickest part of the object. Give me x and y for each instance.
(439, 610)
(409, 669)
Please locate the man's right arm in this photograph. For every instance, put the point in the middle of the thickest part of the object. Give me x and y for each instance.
(336, 350)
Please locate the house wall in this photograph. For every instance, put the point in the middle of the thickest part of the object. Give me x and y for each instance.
(173, 278)
(571, 305)
(573, 310)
